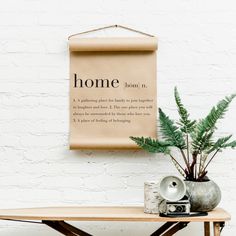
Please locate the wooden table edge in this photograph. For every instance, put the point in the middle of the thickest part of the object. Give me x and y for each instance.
(162, 219)
(137, 216)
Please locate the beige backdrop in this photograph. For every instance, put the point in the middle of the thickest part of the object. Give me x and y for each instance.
(104, 118)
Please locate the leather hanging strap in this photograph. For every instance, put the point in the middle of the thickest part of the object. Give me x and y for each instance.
(111, 26)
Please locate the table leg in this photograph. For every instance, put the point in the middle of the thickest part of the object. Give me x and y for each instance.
(207, 228)
(175, 228)
(216, 226)
(169, 228)
(65, 228)
(74, 229)
(163, 228)
(56, 226)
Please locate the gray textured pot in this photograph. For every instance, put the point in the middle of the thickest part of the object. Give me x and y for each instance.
(204, 196)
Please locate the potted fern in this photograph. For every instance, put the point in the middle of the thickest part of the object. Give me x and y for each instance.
(197, 147)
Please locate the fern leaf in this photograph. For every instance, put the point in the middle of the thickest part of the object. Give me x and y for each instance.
(205, 142)
(219, 144)
(227, 145)
(208, 124)
(231, 144)
(170, 132)
(186, 124)
(152, 145)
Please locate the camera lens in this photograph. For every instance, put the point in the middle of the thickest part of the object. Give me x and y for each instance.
(180, 208)
(172, 208)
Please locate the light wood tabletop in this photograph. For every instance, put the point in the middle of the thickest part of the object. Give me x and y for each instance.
(55, 218)
(95, 213)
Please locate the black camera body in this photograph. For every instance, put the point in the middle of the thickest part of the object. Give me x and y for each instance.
(181, 207)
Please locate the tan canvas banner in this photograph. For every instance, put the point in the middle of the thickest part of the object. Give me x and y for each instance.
(112, 91)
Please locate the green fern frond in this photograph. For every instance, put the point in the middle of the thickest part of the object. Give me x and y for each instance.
(216, 113)
(170, 132)
(186, 124)
(208, 124)
(219, 144)
(231, 144)
(205, 142)
(152, 145)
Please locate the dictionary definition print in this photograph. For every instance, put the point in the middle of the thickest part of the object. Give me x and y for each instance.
(112, 92)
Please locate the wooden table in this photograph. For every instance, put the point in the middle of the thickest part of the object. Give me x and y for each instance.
(55, 218)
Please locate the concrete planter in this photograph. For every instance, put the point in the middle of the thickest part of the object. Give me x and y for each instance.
(204, 196)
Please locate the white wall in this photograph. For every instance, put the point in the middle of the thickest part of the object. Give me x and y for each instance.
(197, 52)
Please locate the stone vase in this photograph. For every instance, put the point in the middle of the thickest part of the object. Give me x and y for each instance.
(204, 196)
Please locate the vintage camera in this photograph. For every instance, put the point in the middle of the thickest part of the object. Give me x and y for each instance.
(181, 207)
(175, 201)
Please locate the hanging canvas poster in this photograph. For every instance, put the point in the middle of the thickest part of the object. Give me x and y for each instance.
(112, 91)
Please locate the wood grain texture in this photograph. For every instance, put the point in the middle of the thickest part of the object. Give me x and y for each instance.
(216, 226)
(207, 228)
(94, 213)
